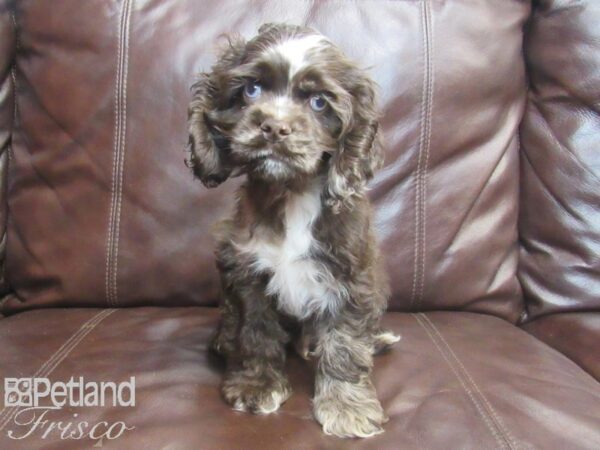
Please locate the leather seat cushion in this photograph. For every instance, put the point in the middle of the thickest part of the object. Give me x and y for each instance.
(574, 334)
(455, 380)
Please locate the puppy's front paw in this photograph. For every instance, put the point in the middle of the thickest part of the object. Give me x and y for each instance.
(349, 409)
(258, 393)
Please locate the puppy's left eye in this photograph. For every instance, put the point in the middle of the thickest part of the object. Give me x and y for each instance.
(318, 103)
(252, 90)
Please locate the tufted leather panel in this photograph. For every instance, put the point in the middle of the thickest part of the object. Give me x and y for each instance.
(560, 163)
(104, 213)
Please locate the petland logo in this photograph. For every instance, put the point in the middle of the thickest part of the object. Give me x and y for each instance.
(30, 401)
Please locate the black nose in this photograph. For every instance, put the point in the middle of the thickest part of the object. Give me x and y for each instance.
(275, 130)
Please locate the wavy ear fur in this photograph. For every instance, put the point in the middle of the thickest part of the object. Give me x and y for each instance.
(361, 148)
(208, 145)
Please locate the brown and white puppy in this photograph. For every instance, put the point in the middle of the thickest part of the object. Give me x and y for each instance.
(293, 114)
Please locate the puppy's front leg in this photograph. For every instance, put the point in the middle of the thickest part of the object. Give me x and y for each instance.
(345, 402)
(254, 380)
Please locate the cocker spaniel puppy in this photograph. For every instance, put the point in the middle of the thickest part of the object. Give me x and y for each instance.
(290, 112)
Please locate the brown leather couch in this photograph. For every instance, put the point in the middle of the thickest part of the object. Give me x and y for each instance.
(488, 211)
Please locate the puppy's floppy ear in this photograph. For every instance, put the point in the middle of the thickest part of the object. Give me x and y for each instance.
(208, 144)
(360, 150)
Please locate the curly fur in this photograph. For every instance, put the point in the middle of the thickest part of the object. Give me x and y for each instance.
(299, 252)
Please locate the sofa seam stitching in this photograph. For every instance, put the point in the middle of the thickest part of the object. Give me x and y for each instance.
(478, 406)
(54, 356)
(64, 349)
(116, 135)
(109, 236)
(120, 106)
(499, 423)
(431, 75)
(13, 75)
(13, 71)
(422, 159)
(417, 174)
(59, 356)
(123, 144)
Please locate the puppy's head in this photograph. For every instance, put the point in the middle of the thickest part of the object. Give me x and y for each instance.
(286, 105)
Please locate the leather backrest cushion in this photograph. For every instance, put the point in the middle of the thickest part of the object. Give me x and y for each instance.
(7, 113)
(104, 212)
(560, 195)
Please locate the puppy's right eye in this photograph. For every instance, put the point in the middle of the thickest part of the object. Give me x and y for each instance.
(252, 90)
(318, 103)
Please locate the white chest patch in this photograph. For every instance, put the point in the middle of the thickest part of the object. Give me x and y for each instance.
(302, 285)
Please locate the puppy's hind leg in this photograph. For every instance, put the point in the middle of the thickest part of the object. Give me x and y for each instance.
(383, 341)
(224, 341)
(304, 342)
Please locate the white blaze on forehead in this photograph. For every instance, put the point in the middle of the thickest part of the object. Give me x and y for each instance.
(295, 50)
(282, 106)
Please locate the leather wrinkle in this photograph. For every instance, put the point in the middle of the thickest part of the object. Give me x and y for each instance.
(565, 148)
(472, 204)
(548, 190)
(32, 89)
(494, 275)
